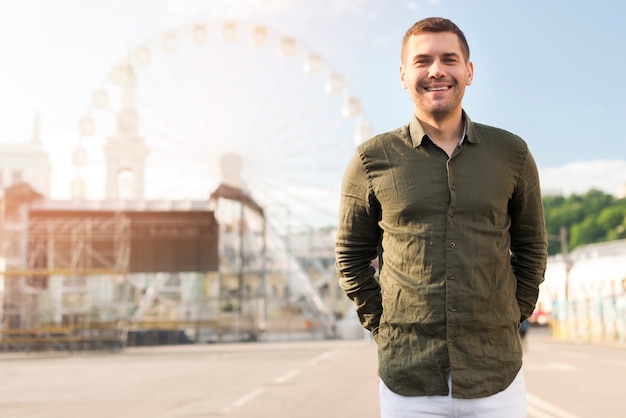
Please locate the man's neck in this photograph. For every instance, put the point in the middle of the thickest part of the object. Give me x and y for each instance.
(445, 132)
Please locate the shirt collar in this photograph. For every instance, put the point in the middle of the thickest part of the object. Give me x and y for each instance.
(418, 133)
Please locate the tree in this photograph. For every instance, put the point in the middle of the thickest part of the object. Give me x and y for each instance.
(592, 217)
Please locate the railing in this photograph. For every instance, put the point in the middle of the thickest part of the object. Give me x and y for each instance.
(101, 336)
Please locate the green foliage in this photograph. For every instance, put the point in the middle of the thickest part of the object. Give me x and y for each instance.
(589, 218)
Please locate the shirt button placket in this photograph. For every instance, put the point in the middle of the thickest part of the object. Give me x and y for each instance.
(451, 232)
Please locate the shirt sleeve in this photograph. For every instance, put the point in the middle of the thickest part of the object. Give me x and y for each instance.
(358, 236)
(529, 245)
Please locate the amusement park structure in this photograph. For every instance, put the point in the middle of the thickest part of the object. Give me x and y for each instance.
(134, 264)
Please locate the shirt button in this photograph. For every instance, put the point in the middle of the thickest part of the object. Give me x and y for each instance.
(452, 244)
(452, 277)
(452, 342)
(453, 309)
(453, 187)
(452, 214)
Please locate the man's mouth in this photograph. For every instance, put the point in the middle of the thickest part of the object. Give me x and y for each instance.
(444, 88)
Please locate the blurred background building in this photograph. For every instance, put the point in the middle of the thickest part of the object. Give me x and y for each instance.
(26, 162)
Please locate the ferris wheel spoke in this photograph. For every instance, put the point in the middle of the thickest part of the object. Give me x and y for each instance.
(233, 117)
(167, 129)
(305, 141)
(268, 119)
(211, 101)
(220, 74)
(291, 113)
(178, 166)
(172, 97)
(171, 92)
(197, 107)
(173, 150)
(170, 131)
(314, 111)
(167, 182)
(283, 180)
(259, 116)
(305, 208)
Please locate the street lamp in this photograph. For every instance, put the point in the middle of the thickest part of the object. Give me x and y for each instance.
(562, 238)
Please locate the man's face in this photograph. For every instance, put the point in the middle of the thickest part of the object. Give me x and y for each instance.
(435, 73)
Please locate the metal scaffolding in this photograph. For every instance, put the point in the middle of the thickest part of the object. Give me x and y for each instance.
(102, 275)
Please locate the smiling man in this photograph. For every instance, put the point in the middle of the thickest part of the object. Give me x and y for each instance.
(453, 210)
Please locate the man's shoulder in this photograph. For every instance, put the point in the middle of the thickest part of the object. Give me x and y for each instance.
(485, 132)
(400, 134)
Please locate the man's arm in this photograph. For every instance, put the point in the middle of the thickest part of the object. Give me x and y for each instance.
(358, 235)
(529, 245)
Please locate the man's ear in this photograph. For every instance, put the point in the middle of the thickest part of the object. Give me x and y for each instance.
(470, 73)
(402, 79)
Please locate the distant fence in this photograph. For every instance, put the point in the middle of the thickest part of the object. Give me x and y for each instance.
(116, 335)
(600, 319)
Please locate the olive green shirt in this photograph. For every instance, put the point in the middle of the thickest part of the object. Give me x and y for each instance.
(463, 249)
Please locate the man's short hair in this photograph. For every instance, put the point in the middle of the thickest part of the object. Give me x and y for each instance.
(434, 25)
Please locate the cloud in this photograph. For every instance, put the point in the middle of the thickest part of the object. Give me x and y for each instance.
(579, 177)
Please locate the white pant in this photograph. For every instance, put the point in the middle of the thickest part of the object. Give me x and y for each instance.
(510, 403)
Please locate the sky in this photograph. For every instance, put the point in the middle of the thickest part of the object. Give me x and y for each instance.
(550, 72)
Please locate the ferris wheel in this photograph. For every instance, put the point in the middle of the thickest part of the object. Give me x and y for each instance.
(219, 101)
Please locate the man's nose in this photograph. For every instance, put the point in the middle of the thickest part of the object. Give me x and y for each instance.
(436, 70)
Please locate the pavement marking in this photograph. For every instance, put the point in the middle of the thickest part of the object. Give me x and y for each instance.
(285, 377)
(243, 400)
(537, 413)
(540, 408)
(247, 398)
(279, 380)
(321, 357)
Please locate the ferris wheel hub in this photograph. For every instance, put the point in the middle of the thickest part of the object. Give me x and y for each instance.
(231, 165)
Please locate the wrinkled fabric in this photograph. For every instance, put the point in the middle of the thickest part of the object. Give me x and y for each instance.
(463, 249)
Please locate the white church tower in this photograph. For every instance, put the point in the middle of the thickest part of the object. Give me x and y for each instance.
(125, 152)
(26, 162)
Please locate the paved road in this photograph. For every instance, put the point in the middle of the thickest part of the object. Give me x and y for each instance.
(574, 380)
(316, 379)
(283, 380)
